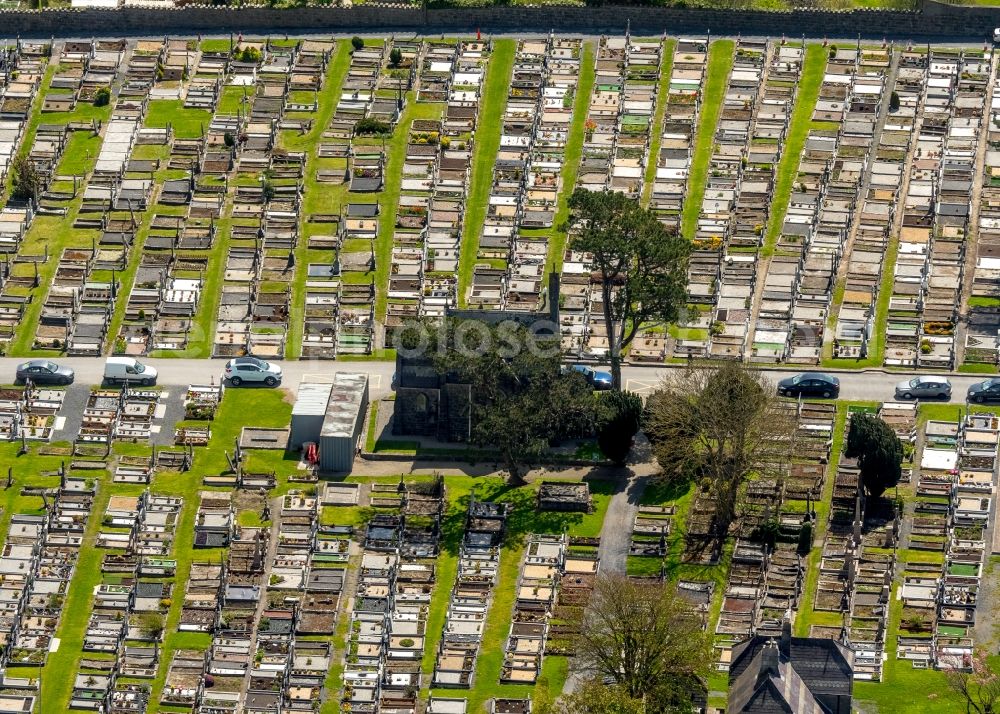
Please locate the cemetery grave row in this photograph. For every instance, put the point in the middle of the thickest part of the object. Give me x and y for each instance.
(248, 585)
(172, 213)
(527, 176)
(242, 590)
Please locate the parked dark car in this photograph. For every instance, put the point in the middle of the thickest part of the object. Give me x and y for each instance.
(985, 391)
(810, 384)
(597, 379)
(43, 371)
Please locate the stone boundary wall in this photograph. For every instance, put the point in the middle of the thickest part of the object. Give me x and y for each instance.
(933, 21)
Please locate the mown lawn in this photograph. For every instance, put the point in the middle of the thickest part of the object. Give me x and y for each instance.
(720, 62)
(798, 129)
(487, 143)
(571, 162)
(523, 521)
(666, 67)
(186, 123)
(309, 143)
(806, 616)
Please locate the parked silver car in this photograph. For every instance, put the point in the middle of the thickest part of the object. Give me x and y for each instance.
(930, 386)
(243, 370)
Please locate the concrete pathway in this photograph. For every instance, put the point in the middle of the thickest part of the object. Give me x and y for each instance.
(616, 534)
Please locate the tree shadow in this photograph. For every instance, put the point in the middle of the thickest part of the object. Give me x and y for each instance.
(642, 450)
(637, 488)
(523, 518)
(660, 491)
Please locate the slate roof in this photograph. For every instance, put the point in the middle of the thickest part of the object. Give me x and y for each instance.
(769, 675)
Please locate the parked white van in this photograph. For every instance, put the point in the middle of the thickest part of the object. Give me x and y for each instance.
(122, 369)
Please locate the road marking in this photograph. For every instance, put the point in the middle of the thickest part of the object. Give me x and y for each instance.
(374, 379)
(318, 378)
(639, 386)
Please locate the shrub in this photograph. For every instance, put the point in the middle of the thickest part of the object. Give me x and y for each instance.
(249, 54)
(894, 102)
(395, 57)
(805, 538)
(102, 97)
(767, 532)
(151, 624)
(357, 43)
(620, 414)
(228, 139)
(370, 125)
(26, 179)
(878, 450)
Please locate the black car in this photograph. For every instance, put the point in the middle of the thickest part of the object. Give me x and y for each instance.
(43, 371)
(986, 391)
(810, 384)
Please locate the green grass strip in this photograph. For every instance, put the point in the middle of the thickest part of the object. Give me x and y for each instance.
(55, 233)
(57, 676)
(389, 197)
(126, 279)
(574, 153)
(666, 66)
(524, 519)
(795, 140)
(876, 345)
(720, 62)
(185, 123)
(337, 70)
(488, 129)
(806, 616)
(203, 330)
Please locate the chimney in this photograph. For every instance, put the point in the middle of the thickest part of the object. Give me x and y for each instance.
(786, 638)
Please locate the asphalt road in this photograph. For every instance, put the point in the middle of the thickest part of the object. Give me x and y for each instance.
(869, 385)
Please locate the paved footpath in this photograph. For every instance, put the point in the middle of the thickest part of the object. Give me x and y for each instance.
(616, 534)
